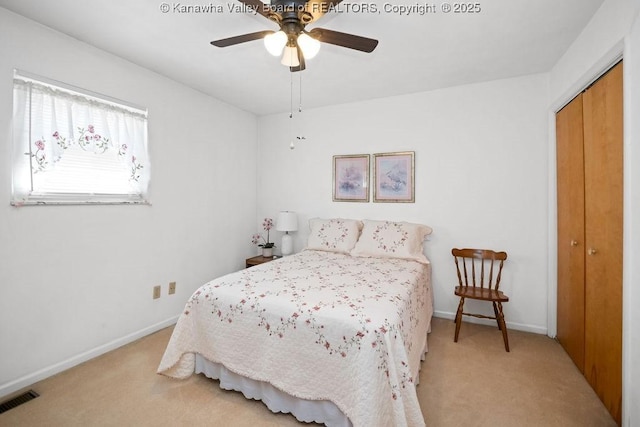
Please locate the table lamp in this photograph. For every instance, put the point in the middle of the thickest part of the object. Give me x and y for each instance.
(287, 221)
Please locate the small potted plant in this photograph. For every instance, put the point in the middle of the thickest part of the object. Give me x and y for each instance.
(267, 246)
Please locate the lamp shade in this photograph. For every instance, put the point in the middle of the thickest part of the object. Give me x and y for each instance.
(287, 221)
(290, 57)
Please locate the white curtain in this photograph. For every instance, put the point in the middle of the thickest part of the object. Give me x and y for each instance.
(74, 147)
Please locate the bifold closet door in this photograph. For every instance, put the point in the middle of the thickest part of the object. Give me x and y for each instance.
(603, 137)
(571, 240)
(589, 137)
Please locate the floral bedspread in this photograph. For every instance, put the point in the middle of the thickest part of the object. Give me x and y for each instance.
(318, 326)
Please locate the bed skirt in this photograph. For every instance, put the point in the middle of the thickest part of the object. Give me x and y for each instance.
(319, 411)
(307, 411)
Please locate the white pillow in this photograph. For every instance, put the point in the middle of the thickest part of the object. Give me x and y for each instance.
(388, 239)
(333, 235)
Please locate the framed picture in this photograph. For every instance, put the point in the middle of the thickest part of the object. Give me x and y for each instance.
(351, 178)
(394, 177)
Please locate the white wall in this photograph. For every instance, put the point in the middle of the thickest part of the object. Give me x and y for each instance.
(604, 33)
(632, 227)
(481, 177)
(76, 281)
(614, 29)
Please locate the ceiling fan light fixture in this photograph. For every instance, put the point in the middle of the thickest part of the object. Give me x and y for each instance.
(275, 42)
(292, 16)
(290, 57)
(310, 46)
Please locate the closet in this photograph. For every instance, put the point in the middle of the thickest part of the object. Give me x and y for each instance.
(589, 136)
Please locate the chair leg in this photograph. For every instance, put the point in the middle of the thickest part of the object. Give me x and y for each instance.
(458, 318)
(505, 337)
(495, 310)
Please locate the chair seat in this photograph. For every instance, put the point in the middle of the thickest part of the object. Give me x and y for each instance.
(483, 294)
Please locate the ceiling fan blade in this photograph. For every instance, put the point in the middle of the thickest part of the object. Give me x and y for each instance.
(302, 65)
(350, 41)
(317, 8)
(241, 39)
(257, 5)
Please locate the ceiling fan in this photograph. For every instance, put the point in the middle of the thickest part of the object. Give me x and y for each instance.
(293, 42)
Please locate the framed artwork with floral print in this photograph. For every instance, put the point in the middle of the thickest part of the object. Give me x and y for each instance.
(393, 175)
(351, 178)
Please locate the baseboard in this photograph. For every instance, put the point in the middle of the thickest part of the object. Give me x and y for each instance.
(510, 325)
(27, 380)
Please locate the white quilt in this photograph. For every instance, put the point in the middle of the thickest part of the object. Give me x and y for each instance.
(318, 326)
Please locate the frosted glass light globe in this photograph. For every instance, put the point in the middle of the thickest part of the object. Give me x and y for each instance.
(310, 46)
(275, 43)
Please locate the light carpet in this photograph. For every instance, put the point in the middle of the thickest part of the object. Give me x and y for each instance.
(470, 383)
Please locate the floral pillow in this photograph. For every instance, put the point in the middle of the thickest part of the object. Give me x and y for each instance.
(388, 239)
(333, 235)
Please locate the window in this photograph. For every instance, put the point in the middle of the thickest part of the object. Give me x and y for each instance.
(74, 147)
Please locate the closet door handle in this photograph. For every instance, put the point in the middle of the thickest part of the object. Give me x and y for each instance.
(592, 251)
(574, 243)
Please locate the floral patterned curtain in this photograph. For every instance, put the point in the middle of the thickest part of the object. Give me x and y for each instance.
(52, 123)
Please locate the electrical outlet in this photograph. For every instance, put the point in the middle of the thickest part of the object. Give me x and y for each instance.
(172, 288)
(156, 292)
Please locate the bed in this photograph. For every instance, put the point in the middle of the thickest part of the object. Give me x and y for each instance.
(333, 334)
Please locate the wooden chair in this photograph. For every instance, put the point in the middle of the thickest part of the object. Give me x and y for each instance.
(473, 265)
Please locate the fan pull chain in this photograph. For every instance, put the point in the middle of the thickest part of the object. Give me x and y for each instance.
(291, 100)
(291, 145)
(300, 105)
(299, 138)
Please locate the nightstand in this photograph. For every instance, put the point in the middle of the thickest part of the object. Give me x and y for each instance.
(257, 260)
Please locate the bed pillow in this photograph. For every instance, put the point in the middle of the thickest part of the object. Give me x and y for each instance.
(333, 235)
(388, 239)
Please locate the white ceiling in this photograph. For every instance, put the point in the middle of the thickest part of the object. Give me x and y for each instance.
(416, 53)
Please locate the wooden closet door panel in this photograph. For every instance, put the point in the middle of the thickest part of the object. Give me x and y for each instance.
(570, 185)
(603, 136)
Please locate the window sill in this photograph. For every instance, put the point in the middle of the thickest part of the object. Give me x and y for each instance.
(80, 199)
